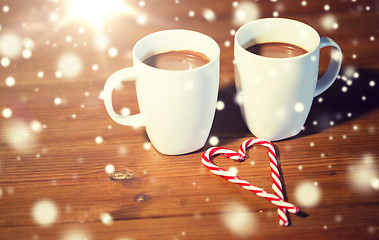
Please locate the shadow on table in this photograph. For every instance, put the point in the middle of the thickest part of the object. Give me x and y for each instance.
(228, 123)
(346, 99)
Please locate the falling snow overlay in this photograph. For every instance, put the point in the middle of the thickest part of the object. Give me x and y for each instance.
(59, 149)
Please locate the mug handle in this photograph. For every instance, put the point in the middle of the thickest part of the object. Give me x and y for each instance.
(334, 65)
(126, 74)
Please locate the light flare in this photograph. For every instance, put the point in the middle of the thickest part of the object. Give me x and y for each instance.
(213, 140)
(363, 175)
(245, 12)
(308, 194)
(96, 11)
(10, 45)
(239, 220)
(329, 22)
(106, 218)
(69, 65)
(75, 234)
(19, 135)
(209, 15)
(45, 212)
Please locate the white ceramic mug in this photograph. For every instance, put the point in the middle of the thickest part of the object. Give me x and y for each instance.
(177, 107)
(275, 94)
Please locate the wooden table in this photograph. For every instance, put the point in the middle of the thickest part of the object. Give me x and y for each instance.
(58, 145)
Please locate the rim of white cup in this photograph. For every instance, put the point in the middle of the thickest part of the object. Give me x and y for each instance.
(141, 60)
(295, 22)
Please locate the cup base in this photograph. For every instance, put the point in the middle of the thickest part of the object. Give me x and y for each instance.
(278, 138)
(178, 153)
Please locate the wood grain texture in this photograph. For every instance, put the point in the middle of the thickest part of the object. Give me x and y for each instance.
(174, 197)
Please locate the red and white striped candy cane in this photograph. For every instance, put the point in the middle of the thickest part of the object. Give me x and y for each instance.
(277, 199)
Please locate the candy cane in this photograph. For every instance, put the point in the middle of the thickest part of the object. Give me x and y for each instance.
(276, 185)
(277, 199)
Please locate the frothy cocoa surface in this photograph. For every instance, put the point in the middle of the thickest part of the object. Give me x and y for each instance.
(276, 50)
(177, 60)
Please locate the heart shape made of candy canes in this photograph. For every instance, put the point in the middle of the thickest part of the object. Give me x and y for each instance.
(277, 198)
